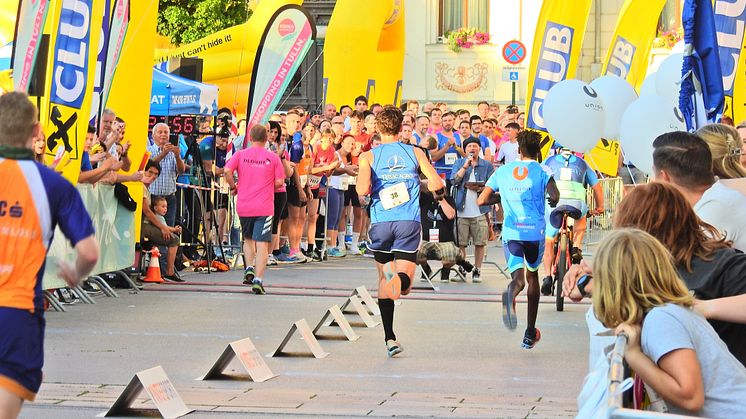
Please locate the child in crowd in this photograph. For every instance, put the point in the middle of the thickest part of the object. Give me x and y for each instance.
(159, 205)
(671, 347)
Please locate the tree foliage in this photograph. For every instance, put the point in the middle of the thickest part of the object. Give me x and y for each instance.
(185, 21)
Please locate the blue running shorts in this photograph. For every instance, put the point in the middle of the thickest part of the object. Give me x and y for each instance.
(395, 236)
(520, 253)
(21, 351)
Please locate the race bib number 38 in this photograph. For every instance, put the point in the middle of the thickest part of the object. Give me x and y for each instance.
(393, 196)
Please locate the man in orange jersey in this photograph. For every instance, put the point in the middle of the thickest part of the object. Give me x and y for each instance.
(33, 201)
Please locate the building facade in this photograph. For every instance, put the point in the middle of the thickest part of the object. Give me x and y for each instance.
(432, 72)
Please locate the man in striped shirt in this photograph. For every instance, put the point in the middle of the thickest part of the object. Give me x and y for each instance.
(169, 157)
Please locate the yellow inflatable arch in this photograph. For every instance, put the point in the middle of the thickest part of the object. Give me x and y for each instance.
(228, 55)
(364, 52)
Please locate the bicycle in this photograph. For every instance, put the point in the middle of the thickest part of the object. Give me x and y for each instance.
(566, 214)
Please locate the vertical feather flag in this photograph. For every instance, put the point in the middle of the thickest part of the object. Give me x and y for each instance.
(633, 38)
(701, 97)
(555, 56)
(730, 23)
(70, 78)
(29, 26)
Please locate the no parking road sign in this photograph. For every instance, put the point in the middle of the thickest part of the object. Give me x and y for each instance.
(514, 52)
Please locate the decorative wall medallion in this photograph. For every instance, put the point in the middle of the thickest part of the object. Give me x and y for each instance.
(461, 79)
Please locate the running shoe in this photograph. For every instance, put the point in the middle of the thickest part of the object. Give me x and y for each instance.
(284, 258)
(257, 287)
(355, 251)
(248, 275)
(369, 253)
(336, 253)
(475, 276)
(173, 278)
(285, 249)
(465, 266)
(529, 340)
(393, 347)
(272, 260)
(509, 316)
(317, 255)
(299, 257)
(546, 285)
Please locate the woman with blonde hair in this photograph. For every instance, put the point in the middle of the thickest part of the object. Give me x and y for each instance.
(705, 261)
(670, 347)
(726, 148)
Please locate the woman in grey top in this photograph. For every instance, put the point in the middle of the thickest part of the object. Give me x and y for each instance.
(671, 347)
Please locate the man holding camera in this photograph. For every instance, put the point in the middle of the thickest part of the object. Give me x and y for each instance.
(168, 155)
(468, 177)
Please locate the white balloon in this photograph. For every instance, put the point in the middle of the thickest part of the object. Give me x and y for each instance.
(648, 86)
(616, 95)
(668, 78)
(574, 115)
(643, 121)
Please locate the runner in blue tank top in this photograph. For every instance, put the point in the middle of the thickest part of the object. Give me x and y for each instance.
(523, 186)
(390, 174)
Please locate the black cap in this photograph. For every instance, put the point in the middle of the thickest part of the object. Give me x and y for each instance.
(472, 140)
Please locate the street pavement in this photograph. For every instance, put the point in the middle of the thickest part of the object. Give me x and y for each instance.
(458, 360)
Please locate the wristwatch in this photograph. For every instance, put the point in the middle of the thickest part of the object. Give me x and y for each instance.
(582, 282)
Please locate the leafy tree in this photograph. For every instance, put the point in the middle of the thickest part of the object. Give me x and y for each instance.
(185, 21)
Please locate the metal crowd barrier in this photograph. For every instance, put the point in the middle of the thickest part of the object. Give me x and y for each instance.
(613, 190)
(616, 378)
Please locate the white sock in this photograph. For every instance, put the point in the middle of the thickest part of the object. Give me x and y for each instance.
(355, 238)
(256, 278)
(340, 240)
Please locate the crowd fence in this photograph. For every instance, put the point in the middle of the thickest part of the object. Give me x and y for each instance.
(114, 226)
(597, 226)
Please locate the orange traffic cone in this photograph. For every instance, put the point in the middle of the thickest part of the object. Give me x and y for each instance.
(154, 268)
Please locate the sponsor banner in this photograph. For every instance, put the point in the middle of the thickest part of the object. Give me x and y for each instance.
(284, 45)
(98, 81)
(117, 32)
(554, 57)
(604, 157)
(71, 72)
(730, 24)
(633, 37)
(114, 227)
(31, 17)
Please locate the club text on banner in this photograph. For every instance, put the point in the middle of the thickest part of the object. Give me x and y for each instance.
(555, 55)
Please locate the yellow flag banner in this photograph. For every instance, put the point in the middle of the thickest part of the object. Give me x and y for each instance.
(604, 157)
(633, 37)
(75, 31)
(130, 87)
(554, 56)
(730, 21)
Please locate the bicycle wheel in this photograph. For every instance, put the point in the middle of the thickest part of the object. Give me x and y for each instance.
(562, 268)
